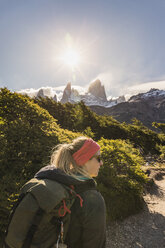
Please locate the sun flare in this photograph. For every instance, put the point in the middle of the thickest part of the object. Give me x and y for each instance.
(71, 58)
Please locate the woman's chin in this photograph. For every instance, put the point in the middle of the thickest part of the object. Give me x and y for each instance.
(94, 175)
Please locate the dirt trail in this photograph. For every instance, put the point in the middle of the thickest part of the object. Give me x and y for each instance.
(145, 230)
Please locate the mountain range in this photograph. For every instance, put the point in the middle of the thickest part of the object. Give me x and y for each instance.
(147, 107)
(94, 95)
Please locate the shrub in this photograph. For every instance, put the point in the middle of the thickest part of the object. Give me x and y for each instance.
(120, 179)
(162, 151)
(27, 135)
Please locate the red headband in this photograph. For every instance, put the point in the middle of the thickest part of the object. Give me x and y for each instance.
(89, 149)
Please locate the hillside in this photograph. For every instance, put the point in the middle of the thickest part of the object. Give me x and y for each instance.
(79, 117)
(147, 107)
(30, 128)
(27, 135)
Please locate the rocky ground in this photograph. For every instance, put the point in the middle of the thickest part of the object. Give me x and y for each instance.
(146, 229)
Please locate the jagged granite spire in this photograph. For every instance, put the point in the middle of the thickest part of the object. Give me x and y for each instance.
(40, 93)
(97, 90)
(66, 93)
(46, 93)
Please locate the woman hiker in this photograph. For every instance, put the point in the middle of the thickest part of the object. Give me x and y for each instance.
(81, 222)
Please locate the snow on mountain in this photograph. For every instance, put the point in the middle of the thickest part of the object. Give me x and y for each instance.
(51, 91)
(94, 95)
(91, 100)
(150, 94)
(154, 92)
(47, 91)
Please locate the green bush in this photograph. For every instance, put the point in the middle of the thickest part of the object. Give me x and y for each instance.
(78, 117)
(120, 179)
(142, 137)
(160, 126)
(162, 151)
(27, 135)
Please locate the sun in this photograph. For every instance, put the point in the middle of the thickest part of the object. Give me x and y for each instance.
(71, 58)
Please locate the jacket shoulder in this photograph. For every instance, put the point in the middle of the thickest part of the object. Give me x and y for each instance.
(93, 202)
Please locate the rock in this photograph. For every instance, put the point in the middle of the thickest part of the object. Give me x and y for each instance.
(40, 93)
(75, 96)
(46, 93)
(148, 172)
(120, 99)
(148, 107)
(66, 94)
(55, 98)
(97, 90)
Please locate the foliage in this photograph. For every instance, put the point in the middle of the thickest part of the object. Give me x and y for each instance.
(78, 117)
(27, 135)
(65, 114)
(88, 132)
(160, 126)
(142, 137)
(162, 151)
(120, 179)
(30, 128)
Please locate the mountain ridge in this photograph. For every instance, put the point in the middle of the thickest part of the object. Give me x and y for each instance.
(147, 107)
(94, 95)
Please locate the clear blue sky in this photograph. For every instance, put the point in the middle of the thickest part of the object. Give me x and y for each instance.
(122, 42)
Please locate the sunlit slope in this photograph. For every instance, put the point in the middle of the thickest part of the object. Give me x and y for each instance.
(78, 117)
(30, 128)
(27, 135)
(28, 132)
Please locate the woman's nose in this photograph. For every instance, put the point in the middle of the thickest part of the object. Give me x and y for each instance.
(101, 162)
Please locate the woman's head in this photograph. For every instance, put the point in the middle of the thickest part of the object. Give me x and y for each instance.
(78, 157)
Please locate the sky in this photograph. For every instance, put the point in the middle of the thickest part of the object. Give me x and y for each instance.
(52, 42)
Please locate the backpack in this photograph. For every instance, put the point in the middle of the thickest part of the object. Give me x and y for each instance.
(41, 216)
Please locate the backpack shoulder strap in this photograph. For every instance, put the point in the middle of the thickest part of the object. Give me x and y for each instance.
(36, 214)
(35, 223)
(20, 198)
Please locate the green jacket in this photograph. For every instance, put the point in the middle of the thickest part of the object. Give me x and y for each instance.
(88, 224)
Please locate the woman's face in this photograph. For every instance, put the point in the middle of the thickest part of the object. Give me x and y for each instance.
(92, 166)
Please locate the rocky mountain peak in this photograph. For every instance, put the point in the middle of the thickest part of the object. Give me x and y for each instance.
(95, 95)
(97, 90)
(46, 93)
(152, 93)
(147, 107)
(121, 99)
(66, 93)
(40, 93)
